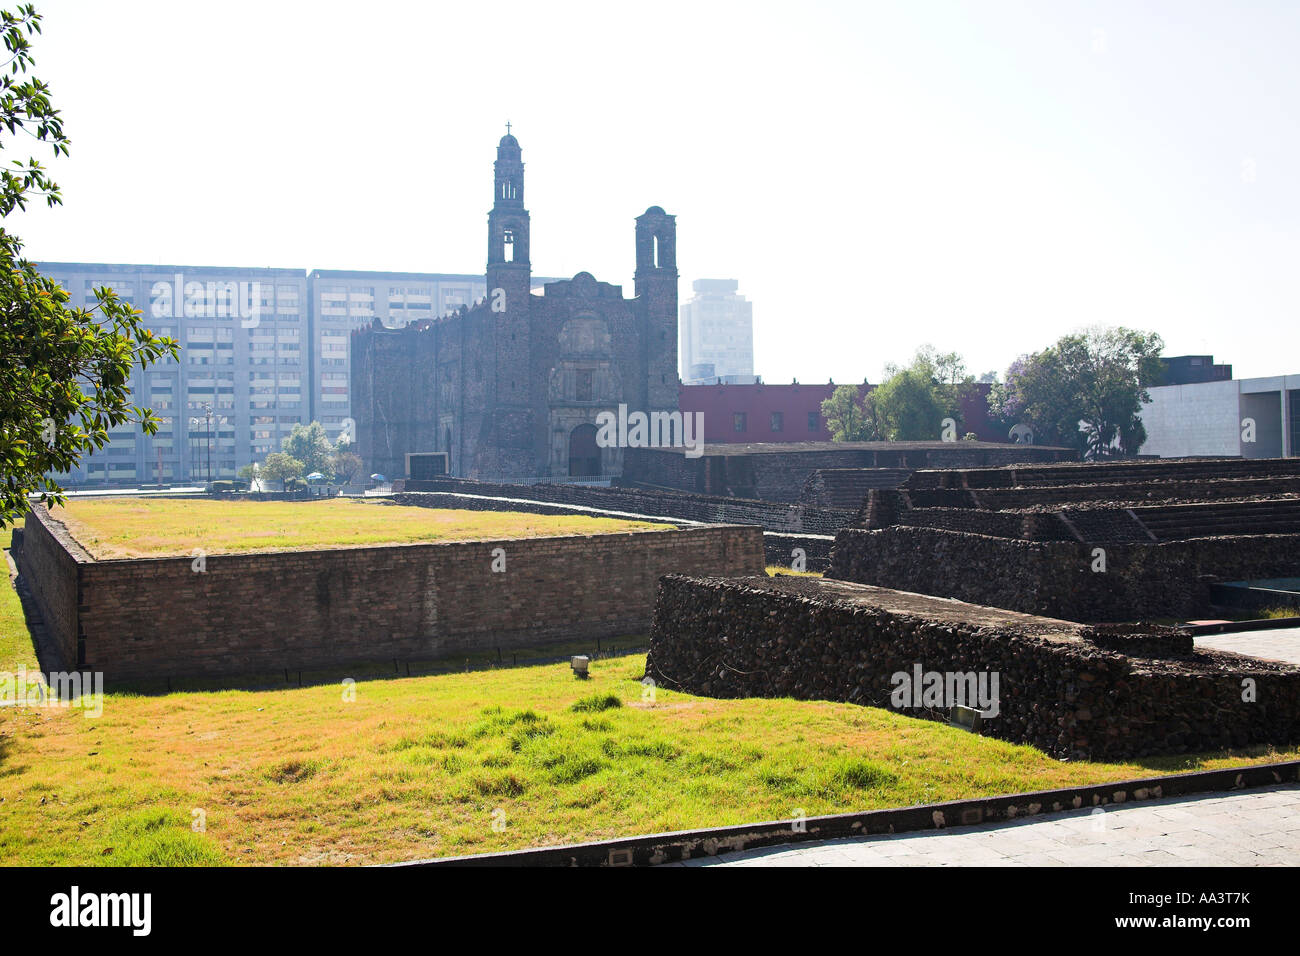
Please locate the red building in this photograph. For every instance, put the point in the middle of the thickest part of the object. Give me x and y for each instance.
(782, 413)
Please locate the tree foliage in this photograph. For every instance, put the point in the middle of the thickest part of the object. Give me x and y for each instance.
(847, 418)
(311, 446)
(65, 373)
(281, 467)
(347, 465)
(913, 401)
(1086, 391)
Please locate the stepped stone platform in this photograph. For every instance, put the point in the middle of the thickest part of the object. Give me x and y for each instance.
(1073, 690)
(1030, 537)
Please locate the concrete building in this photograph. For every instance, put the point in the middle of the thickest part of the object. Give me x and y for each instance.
(1190, 369)
(1247, 417)
(717, 334)
(241, 333)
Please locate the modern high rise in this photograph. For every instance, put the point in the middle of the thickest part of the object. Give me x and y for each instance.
(717, 334)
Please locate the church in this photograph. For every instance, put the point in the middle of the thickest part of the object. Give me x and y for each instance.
(511, 388)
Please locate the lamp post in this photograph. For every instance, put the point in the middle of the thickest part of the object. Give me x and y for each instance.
(207, 417)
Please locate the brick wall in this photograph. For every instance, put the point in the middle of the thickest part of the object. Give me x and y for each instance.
(156, 617)
(48, 563)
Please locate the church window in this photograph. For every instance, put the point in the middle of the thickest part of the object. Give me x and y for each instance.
(585, 389)
(509, 240)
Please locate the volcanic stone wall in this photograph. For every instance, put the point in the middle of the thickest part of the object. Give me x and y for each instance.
(160, 617)
(845, 488)
(1139, 471)
(712, 509)
(1056, 578)
(1004, 524)
(781, 475)
(1061, 691)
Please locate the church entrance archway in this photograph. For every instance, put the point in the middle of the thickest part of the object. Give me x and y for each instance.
(584, 453)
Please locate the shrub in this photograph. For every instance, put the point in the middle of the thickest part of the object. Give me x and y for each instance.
(596, 702)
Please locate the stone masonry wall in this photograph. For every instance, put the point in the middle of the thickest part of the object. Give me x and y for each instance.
(158, 617)
(1055, 578)
(1066, 695)
(712, 509)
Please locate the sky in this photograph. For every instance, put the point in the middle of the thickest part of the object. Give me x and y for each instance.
(981, 177)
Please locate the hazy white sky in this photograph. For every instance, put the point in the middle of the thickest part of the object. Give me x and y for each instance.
(983, 176)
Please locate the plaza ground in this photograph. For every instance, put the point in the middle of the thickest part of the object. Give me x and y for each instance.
(1259, 827)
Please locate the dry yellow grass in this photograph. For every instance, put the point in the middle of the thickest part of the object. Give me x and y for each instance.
(155, 527)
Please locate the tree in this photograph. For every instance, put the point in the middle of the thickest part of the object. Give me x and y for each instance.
(65, 374)
(1085, 391)
(912, 402)
(347, 465)
(848, 419)
(282, 468)
(311, 446)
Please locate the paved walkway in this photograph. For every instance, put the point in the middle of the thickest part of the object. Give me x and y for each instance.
(1281, 644)
(1257, 827)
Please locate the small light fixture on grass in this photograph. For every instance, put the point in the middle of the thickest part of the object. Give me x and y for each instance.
(970, 718)
(579, 665)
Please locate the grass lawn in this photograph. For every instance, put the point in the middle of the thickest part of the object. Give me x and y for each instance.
(154, 527)
(417, 767)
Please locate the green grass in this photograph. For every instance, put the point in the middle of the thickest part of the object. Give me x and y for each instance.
(775, 569)
(1274, 613)
(424, 766)
(153, 527)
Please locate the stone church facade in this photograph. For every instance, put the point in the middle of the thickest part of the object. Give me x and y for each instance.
(511, 387)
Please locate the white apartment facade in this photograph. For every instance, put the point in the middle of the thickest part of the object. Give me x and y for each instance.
(716, 334)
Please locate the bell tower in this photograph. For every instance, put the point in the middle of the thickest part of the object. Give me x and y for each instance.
(508, 399)
(656, 292)
(508, 220)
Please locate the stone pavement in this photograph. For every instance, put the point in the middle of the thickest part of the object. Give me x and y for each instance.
(1281, 644)
(1257, 827)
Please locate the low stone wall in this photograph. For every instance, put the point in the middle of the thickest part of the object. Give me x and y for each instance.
(780, 550)
(297, 609)
(710, 509)
(1001, 524)
(1136, 471)
(1058, 690)
(1056, 578)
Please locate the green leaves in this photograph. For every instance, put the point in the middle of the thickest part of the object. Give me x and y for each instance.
(1085, 391)
(65, 373)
